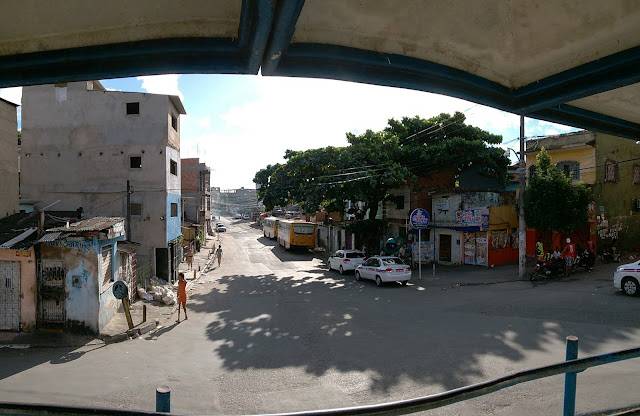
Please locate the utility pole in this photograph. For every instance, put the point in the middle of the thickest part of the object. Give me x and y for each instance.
(522, 230)
(129, 211)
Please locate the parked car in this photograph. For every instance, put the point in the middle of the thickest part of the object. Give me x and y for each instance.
(627, 278)
(221, 228)
(245, 216)
(384, 269)
(343, 260)
(237, 216)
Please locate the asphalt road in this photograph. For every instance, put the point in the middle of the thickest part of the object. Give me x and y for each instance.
(273, 331)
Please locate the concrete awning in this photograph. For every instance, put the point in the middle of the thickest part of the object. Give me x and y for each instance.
(568, 61)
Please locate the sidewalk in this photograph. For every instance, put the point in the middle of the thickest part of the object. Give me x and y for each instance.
(45, 339)
(464, 275)
(158, 314)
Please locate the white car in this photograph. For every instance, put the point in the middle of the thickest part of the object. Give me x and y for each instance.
(384, 269)
(343, 260)
(221, 228)
(627, 278)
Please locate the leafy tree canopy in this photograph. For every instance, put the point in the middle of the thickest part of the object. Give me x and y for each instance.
(551, 201)
(375, 162)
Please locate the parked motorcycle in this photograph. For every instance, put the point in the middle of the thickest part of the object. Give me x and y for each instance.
(610, 255)
(585, 261)
(547, 269)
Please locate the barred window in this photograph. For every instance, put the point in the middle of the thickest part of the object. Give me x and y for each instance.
(571, 168)
(636, 174)
(611, 171)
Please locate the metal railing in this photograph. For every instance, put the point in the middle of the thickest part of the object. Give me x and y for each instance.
(570, 368)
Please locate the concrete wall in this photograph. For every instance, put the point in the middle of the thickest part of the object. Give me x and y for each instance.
(8, 159)
(616, 197)
(174, 224)
(191, 194)
(456, 245)
(390, 207)
(28, 285)
(108, 303)
(76, 149)
(81, 303)
(89, 303)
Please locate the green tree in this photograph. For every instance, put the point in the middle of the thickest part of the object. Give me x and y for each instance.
(375, 162)
(551, 201)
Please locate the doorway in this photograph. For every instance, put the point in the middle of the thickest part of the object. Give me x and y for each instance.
(445, 248)
(9, 295)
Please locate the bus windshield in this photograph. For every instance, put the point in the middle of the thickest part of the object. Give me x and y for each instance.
(303, 228)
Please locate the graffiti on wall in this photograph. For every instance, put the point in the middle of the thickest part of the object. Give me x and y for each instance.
(473, 217)
(606, 229)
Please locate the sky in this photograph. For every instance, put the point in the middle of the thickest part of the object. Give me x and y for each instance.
(238, 124)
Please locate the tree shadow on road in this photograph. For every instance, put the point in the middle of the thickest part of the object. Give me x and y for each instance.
(328, 324)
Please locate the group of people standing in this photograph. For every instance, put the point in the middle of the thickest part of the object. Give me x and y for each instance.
(568, 256)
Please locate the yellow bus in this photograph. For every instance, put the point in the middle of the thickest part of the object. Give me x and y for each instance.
(270, 227)
(296, 233)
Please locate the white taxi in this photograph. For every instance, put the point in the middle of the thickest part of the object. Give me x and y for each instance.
(343, 260)
(627, 278)
(384, 269)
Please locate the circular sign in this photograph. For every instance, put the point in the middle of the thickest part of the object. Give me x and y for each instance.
(120, 290)
(419, 218)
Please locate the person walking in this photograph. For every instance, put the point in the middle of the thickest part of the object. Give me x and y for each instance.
(182, 295)
(219, 254)
(190, 257)
(569, 253)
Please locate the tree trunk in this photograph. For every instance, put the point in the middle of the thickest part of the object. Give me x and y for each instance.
(373, 209)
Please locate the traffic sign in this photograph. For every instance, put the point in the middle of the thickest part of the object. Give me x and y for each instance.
(420, 218)
(120, 290)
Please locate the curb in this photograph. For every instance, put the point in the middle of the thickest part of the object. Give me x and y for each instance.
(130, 334)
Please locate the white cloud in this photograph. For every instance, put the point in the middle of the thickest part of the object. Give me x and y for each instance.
(161, 84)
(204, 122)
(13, 94)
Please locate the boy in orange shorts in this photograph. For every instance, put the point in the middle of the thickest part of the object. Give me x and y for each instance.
(182, 295)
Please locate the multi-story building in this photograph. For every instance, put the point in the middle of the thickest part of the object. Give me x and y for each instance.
(196, 192)
(82, 146)
(610, 166)
(8, 158)
(239, 201)
(215, 201)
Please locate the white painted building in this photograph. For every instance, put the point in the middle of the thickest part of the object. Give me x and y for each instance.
(8, 159)
(80, 146)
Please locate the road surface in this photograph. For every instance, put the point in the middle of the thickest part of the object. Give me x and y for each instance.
(273, 331)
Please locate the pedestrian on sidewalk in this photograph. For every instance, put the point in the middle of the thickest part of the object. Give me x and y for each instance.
(219, 254)
(182, 295)
(569, 253)
(190, 258)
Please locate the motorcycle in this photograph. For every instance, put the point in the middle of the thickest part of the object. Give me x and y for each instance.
(546, 269)
(611, 255)
(585, 261)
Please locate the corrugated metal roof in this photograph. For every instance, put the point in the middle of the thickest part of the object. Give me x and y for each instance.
(18, 238)
(49, 237)
(91, 224)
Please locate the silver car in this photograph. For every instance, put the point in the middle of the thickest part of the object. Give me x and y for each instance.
(384, 269)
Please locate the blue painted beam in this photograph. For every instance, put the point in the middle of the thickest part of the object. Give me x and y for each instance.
(605, 74)
(286, 16)
(350, 64)
(255, 28)
(590, 120)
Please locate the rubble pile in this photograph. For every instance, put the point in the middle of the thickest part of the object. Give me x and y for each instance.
(160, 291)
